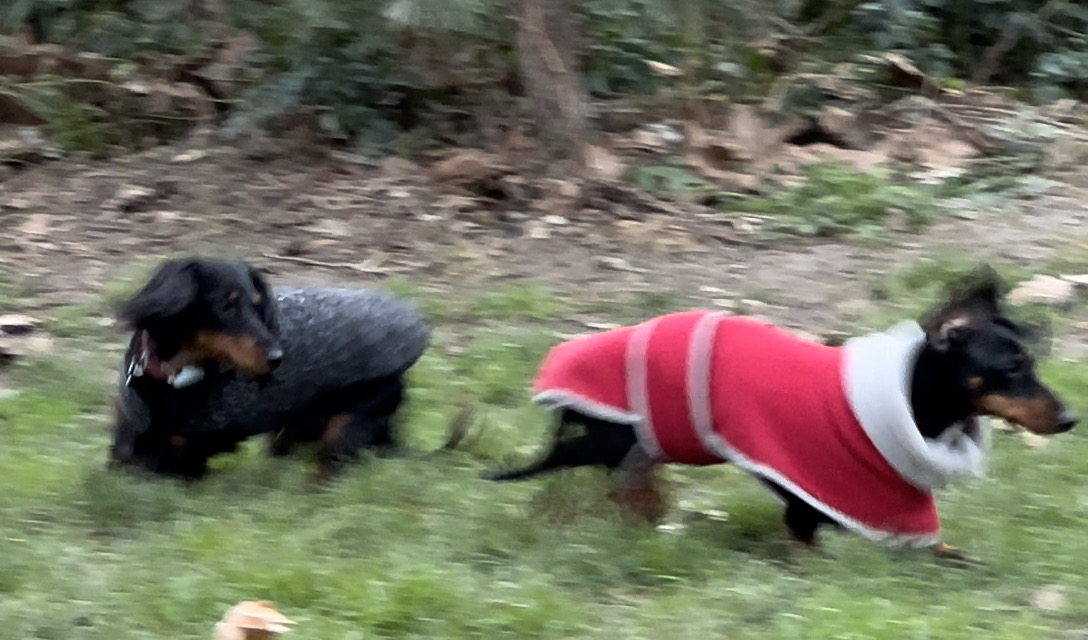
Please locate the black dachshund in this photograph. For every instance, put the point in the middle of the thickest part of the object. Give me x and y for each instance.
(218, 357)
(857, 436)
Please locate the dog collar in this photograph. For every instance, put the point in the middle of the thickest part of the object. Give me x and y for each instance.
(147, 363)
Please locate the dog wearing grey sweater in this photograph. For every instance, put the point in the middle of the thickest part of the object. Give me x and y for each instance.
(217, 357)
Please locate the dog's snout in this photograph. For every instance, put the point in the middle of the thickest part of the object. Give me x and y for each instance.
(1066, 420)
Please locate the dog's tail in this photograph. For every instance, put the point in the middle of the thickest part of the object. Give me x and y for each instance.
(458, 429)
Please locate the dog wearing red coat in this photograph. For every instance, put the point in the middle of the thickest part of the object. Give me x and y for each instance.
(857, 436)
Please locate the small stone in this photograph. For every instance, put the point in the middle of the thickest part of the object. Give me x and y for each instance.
(36, 224)
(567, 189)
(334, 228)
(1048, 599)
(1045, 290)
(189, 156)
(754, 304)
(1079, 279)
(539, 231)
(1034, 440)
(600, 326)
(618, 264)
(14, 324)
(663, 69)
(672, 527)
(16, 204)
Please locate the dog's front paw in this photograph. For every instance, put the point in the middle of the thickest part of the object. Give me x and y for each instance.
(953, 555)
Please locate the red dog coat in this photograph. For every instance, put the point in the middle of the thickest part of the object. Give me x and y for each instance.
(701, 388)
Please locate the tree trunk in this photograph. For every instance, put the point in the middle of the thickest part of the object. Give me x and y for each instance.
(547, 55)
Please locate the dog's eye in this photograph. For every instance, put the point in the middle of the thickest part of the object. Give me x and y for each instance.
(231, 302)
(1019, 365)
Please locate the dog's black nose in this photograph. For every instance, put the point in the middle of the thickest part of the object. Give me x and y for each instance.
(275, 356)
(1066, 421)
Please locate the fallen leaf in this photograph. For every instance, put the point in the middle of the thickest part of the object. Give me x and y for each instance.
(252, 621)
(130, 198)
(468, 166)
(663, 70)
(603, 164)
(906, 74)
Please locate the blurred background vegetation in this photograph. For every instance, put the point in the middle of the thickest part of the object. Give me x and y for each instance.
(396, 75)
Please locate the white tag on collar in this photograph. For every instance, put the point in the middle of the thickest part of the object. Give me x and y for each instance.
(188, 376)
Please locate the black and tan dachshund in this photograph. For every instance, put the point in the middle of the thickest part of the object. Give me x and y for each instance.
(856, 436)
(217, 357)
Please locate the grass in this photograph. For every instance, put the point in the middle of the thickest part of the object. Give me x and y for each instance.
(838, 201)
(413, 548)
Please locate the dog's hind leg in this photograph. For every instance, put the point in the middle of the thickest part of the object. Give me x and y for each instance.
(802, 521)
(331, 454)
(634, 486)
(374, 426)
(366, 425)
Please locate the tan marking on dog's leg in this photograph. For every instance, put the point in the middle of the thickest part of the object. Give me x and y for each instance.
(946, 551)
(332, 439)
(634, 487)
(955, 556)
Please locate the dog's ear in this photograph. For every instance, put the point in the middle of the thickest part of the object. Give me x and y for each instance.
(171, 290)
(972, 302)
(266, 308)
